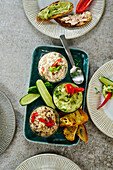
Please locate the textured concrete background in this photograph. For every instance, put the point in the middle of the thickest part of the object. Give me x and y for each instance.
(18, 38)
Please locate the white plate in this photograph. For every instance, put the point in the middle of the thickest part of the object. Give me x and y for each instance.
(48, 162)
(102, 118)
(53, 29)
(7, 122)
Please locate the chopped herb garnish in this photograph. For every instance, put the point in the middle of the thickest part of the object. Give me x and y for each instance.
(58, 68)
(57, 94)
(68, 95)
(73, 74)
(78, 61)
(68, 128)
(65, 100)
(97, 91)
(54, 69)
(78, 70)
(58, 133)
(49, 86)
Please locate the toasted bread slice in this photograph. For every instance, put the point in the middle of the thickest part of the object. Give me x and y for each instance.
(53, 16)
(82, 133)
(75, 20)
(70, 132)
(68, 120)
(81, 117)
(77, 118)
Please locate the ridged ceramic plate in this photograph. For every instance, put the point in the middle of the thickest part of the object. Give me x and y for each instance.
(48, 162)
(7, 122)
(102, 118)
(53, 29)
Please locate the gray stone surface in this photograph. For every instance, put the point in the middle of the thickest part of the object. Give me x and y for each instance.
(18, 38)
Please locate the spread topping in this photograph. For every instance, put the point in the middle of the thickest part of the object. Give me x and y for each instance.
(43, 121)
(55, 9)
(67, 98)
(53, 66)
(76, 18)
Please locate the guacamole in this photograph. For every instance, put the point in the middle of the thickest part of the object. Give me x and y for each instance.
(66, 102)
(107, 89)
(55, 9)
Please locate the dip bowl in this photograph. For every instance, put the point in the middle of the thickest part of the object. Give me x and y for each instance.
(44, 121)
(65, 102)
(50, 62)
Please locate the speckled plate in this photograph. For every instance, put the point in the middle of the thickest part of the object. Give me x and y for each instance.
(7, 122)
(102, 118)
(48, 162)
(53, 29)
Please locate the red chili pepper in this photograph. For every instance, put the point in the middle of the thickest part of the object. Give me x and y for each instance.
(35, 114)
(56, 62)
(106, 100)
(42, 120)
(69, 89)
(77, 89)
(48, 124)
(82, 5)
(52, 122)
(32, 119)
(43, 69)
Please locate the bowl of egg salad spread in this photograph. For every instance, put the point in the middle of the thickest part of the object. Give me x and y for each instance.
(66, 98)
(44, 121)
(53, 67)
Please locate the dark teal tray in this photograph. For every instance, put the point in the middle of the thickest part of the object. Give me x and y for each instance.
(78, 54)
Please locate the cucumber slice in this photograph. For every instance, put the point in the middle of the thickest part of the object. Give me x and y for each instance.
(29, 98)
(32, 89)
(44, 93)
(106, 81)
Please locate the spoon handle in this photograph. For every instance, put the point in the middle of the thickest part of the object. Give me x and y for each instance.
(67, 50)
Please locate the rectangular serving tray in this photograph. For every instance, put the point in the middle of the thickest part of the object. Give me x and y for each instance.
(77, 54)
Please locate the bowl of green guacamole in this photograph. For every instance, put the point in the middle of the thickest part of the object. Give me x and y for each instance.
(65, 102)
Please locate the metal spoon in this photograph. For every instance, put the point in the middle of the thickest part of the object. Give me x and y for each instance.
(75, 72)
